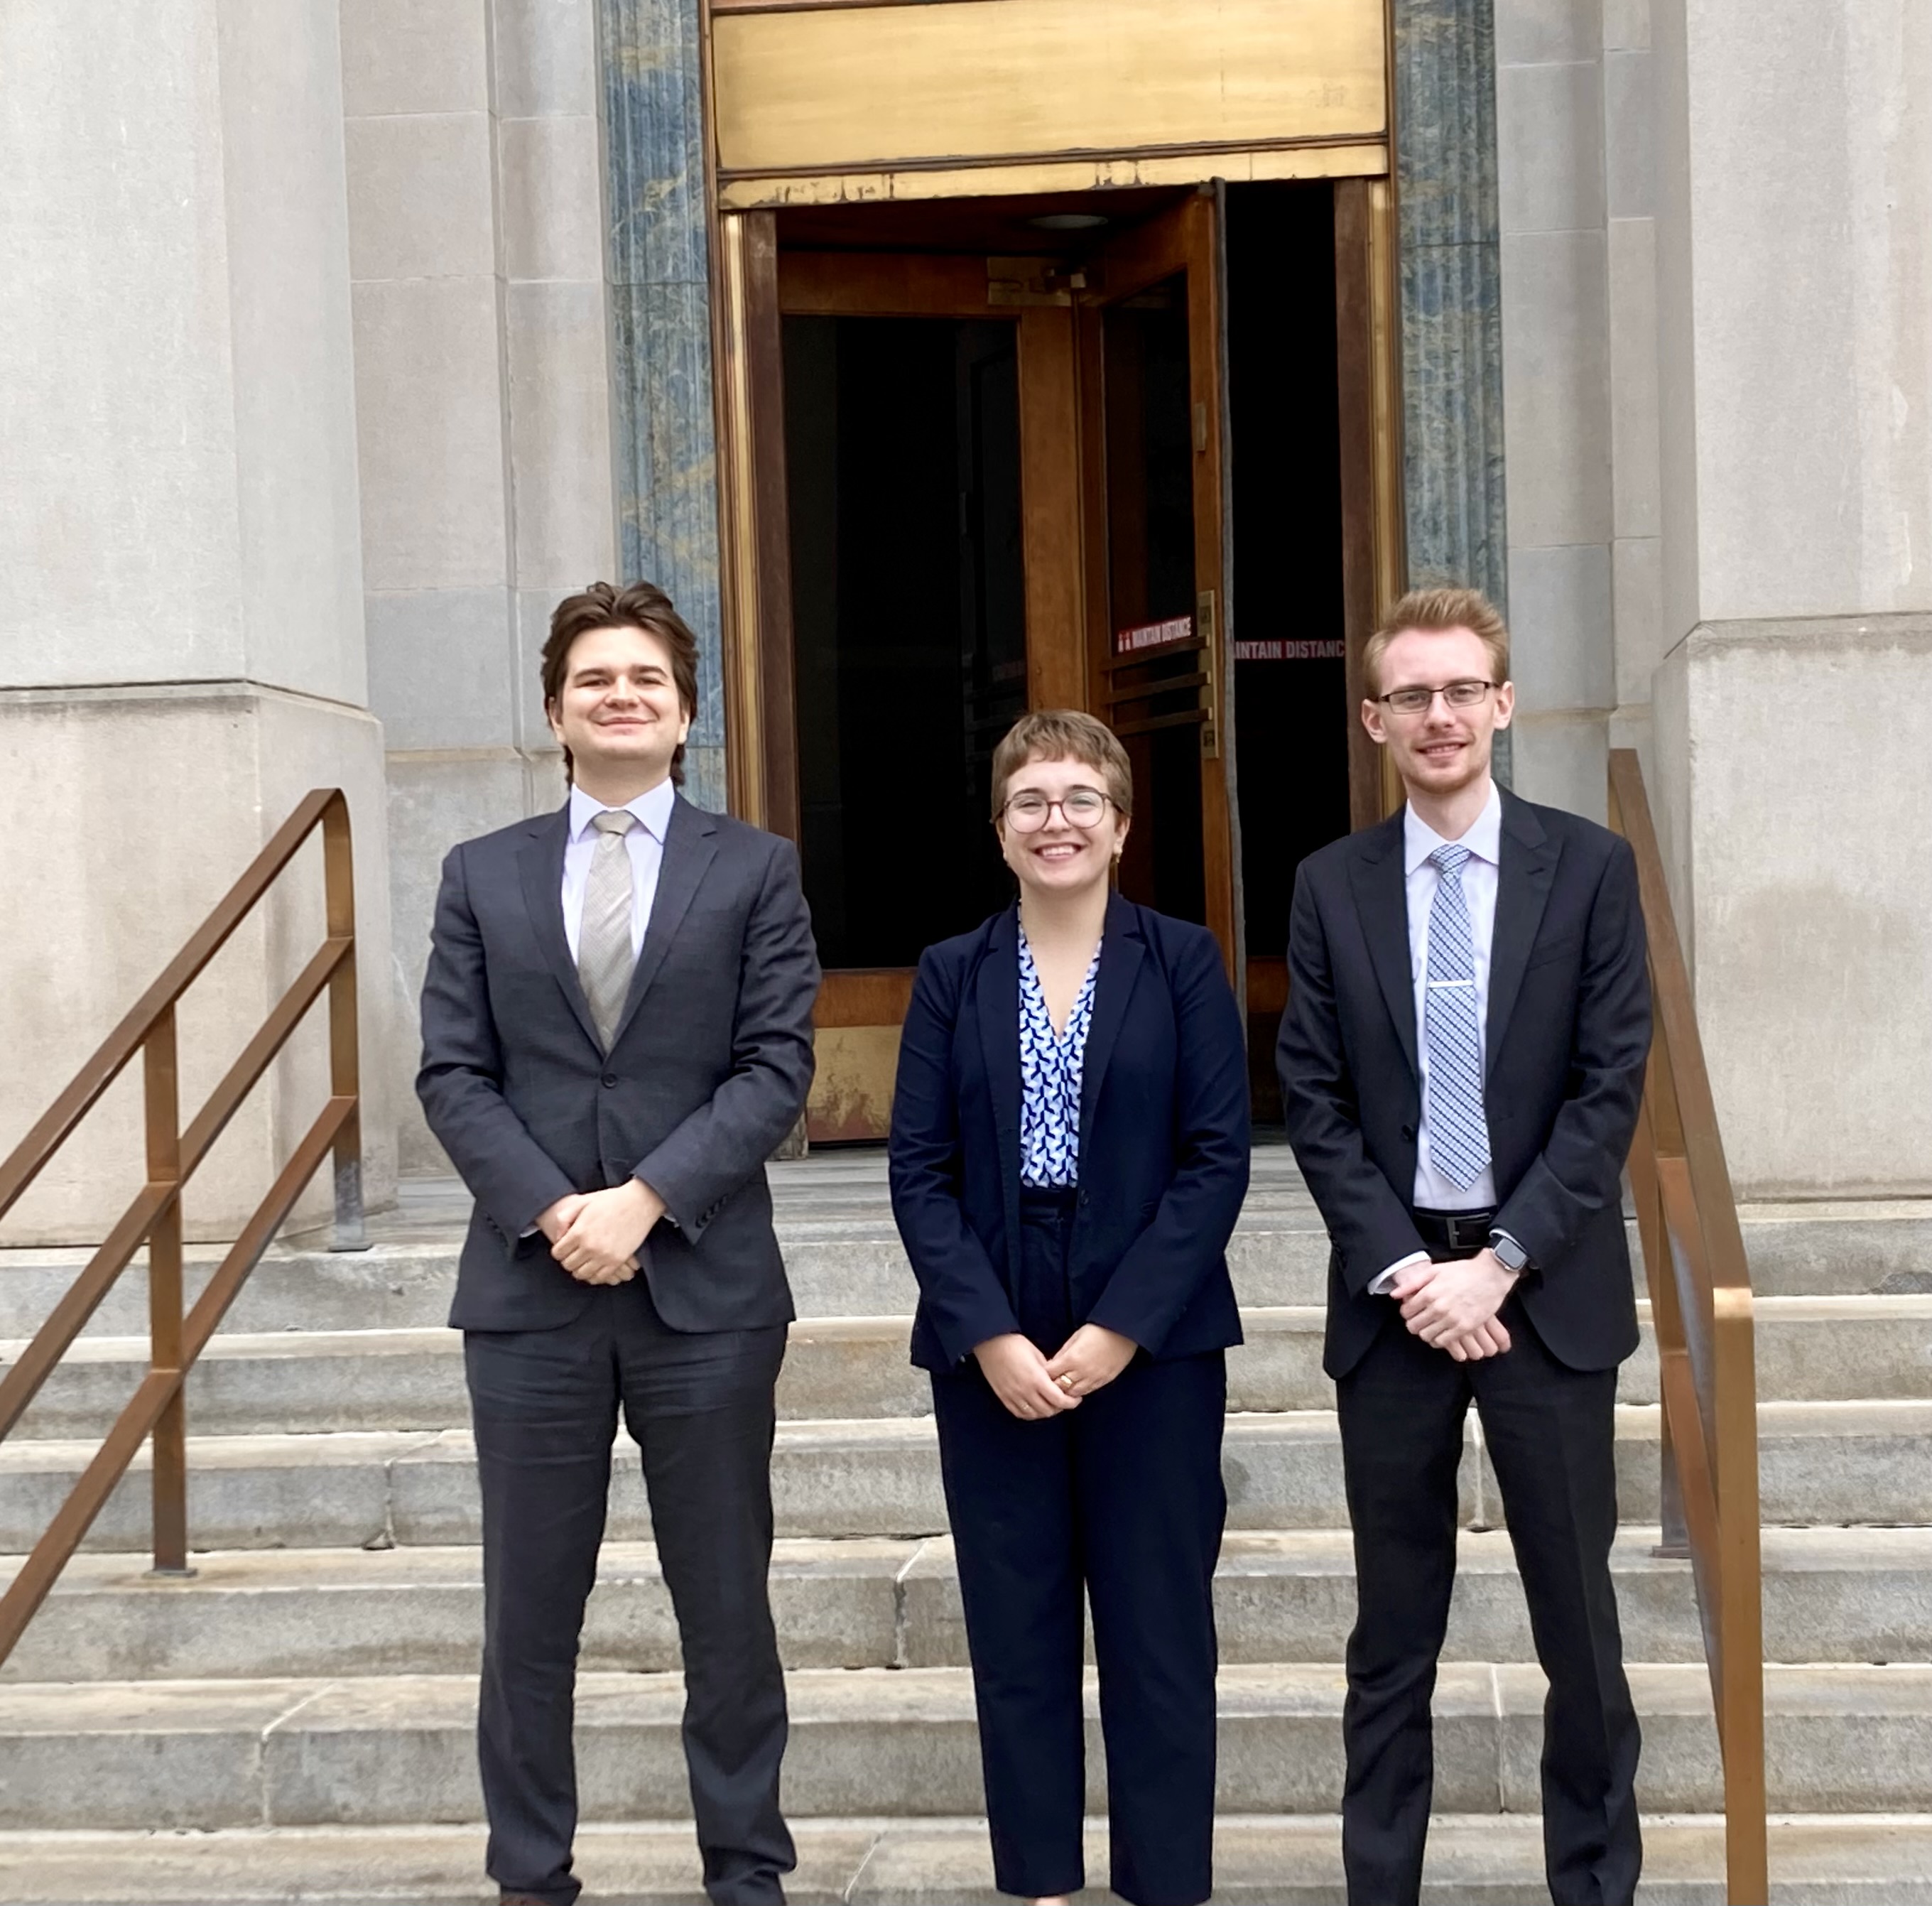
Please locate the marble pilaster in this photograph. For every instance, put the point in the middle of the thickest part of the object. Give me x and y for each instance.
(660, 301)
(1445, 125)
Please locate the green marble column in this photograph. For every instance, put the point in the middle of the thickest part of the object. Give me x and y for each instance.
(660, 319)
(1452, 359)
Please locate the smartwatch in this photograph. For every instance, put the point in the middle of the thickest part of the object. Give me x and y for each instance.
(1509, 1253)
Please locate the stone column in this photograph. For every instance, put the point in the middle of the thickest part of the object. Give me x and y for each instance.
(180, 581)
(482, 372)
(1452, 364)
(660, 309)
(1793, 710)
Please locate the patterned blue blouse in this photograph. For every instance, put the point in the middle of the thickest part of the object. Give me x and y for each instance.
(1050, 1067)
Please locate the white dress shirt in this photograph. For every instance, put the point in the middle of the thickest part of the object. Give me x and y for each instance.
(645, 843)
(1433, 1192)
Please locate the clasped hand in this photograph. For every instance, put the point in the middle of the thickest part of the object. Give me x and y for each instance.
(1452, 1306)
(1033, 1385)
(596, 1235)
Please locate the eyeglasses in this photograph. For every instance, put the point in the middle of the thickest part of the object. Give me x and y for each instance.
(1027, 812)
(1457, 695)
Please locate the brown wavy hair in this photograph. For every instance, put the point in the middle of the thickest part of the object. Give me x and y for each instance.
(640, 605)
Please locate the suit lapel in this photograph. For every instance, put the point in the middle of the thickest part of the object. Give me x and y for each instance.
(540, 861)
(1381, 900)
(997, 996)
(1122, 949)
(1526, 866)
(690, 846)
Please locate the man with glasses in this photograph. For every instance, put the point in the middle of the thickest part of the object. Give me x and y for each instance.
(1462, 1060)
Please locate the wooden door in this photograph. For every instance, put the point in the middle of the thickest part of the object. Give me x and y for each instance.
(1152, 453)
(895, 703)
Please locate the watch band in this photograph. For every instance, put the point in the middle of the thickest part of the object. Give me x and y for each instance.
(1509, 1253)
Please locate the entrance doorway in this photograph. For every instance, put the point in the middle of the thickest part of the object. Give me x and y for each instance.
(1079, 452)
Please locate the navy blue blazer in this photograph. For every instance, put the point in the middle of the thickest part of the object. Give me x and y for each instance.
(1163, 1140)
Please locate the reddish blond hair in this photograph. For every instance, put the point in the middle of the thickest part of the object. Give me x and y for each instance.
(1435, 612)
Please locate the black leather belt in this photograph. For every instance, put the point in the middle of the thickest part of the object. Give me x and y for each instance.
(1464, 1231)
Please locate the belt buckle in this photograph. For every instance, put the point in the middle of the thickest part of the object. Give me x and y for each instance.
(1468, 1231)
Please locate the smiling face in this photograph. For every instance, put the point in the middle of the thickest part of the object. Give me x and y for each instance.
(1439, 750)
(618, 711)
(1060, 857)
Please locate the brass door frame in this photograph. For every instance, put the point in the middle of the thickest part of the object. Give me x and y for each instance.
(1179, 241)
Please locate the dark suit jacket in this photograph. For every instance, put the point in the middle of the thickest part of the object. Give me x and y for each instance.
(1567, 1035)
(707, 1072)
(1163, 1140)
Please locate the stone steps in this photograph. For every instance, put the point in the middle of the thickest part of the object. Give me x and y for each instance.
(1829, 1463)
(400, 1750)
(1809, 1349)
(1484, 1859)
(844, 1260)
(297, 1720)
(1855, 1596)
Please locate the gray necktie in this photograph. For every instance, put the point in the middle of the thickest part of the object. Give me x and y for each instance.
(605, 958)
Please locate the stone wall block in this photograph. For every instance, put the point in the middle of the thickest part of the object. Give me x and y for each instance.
(546, 57)
(1533, 31)
(415, 56)
(439, 667)
(1549, 170)
(1556, 387)
(1562, 761)
(1630, 134)
(421, 196)
(1627, 24)
(552, 196)
(1560, 628)
(434, 801)
(560, 430)
(1635, 454)
(430, 418)
(1637, 573)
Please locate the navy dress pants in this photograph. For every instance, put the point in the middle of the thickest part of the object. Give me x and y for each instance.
(1122, 1498)
(700, 1404)
(1550, 1432)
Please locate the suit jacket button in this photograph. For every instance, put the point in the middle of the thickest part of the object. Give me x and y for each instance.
(1408, 1131)
(610, 1081)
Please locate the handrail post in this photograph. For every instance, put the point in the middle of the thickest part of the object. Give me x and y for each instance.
(161, 1093)
(345, 1057)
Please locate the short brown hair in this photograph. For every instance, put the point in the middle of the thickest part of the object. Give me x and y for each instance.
(1435, 612)
(640, 605)
(1063, 734)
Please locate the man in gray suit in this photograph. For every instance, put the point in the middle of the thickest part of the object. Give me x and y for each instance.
(617, 1034)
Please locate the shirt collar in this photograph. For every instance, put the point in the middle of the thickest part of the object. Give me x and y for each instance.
(1484, 840)
(652, 809)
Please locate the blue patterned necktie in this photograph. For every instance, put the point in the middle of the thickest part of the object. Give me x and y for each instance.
(1458, 1133)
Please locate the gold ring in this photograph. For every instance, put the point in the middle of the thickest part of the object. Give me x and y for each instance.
(1067, 1381)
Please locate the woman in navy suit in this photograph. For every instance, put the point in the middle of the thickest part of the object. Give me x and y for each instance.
(1069, 1151)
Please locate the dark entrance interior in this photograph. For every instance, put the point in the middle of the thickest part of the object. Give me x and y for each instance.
(909, 621)
(1287, 625)
(919, 533)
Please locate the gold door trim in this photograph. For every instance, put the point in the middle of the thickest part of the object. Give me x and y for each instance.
(959, 83)
(1091, 173)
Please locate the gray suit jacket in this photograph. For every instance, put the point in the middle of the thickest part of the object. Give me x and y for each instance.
(707, 1074)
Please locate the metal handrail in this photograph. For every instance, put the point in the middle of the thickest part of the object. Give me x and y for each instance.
(154, 1217)
(1701, 1310)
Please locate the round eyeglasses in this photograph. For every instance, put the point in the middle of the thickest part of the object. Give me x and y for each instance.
(1457, 695)
(1027, 812)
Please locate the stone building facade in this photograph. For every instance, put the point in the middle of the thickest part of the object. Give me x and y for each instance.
(338, 339)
